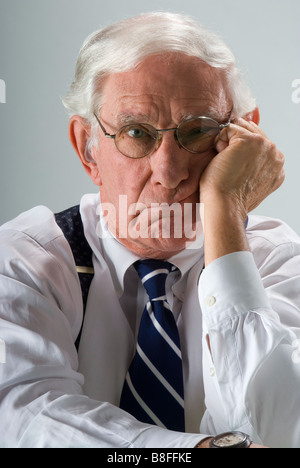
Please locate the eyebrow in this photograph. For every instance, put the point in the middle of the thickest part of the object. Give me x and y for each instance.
(125, 118)
(212, 113)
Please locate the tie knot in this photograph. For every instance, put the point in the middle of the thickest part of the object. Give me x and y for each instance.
(153, 274)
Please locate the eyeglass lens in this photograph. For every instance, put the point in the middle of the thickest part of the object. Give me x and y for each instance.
(139, 140)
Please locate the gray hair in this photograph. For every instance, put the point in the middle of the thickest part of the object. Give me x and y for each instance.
(124, 45)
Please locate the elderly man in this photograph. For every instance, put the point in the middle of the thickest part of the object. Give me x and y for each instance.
(191, 323)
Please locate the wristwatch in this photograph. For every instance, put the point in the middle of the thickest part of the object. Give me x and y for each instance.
(231, 440)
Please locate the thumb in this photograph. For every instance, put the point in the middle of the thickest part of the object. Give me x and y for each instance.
(222, 141)
(233, 133)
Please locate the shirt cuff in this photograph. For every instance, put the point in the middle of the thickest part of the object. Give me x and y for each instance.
(156, 437)
(231, 286)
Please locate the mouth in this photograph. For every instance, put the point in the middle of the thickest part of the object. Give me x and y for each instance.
(164, 220)
(176, 198)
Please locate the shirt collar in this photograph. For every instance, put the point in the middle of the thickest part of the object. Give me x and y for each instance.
(185, 260)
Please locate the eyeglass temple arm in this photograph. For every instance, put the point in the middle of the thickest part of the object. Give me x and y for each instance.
(229, 121)
(108, 135)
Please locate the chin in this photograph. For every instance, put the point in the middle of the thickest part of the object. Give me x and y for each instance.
(162, 231)
(155, 248)
(158, 242)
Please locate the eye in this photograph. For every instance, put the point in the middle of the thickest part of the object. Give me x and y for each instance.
(137, 133)
(193, 133)
(197, 129)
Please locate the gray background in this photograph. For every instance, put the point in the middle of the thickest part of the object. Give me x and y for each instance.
(39, 43)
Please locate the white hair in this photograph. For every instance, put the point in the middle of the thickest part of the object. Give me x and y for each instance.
(124, 45)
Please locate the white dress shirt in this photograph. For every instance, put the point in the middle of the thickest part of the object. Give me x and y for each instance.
(247, 302)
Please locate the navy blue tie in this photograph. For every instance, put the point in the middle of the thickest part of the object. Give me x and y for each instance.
(153, 389)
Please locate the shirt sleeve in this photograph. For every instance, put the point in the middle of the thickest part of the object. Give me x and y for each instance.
(42, 403)
(251, 323)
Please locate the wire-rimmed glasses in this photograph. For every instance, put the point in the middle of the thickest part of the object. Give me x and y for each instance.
(137, 140)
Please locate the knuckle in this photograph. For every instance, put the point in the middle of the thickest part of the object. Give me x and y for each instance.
(259, 138)
(282, 159)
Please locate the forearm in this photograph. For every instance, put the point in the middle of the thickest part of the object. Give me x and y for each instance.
(224, 228)
(249, 348)
(247, 168)
(57, 420)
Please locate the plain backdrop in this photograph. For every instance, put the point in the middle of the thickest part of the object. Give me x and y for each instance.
(39, 44)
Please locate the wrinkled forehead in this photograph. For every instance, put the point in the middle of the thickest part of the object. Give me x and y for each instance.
(176, 84)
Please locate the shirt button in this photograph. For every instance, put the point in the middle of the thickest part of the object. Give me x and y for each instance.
(212, 372)
(210, 301)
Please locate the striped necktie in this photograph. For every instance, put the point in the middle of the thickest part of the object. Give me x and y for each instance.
(153, 389)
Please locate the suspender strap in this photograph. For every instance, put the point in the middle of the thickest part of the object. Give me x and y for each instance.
(70, 223)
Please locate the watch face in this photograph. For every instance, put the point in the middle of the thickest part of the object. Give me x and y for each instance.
(231, 440)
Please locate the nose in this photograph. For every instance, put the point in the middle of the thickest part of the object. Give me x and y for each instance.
(169, 163)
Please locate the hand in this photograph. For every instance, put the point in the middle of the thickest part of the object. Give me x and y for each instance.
(247, 168)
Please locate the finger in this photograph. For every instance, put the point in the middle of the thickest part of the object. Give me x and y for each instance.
(250, 126)
(247, 124)
(227, 134)
(239, 130)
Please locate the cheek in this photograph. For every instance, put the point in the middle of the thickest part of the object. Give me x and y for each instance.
(121, 176)
(201, 162)
(208, 157)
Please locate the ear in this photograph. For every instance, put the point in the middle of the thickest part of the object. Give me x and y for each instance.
(253, 116)
(79, 133)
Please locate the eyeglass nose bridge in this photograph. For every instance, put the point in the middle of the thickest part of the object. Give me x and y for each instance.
(159, 136)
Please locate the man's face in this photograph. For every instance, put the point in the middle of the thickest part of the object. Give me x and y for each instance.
(162, 92)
